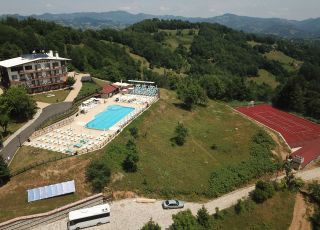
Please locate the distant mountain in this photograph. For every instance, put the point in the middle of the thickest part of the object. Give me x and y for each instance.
(309, 28)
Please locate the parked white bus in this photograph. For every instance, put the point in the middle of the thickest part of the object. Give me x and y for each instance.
(88, 217)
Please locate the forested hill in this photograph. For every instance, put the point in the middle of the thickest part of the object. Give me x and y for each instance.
(199, 60)
(309, 28)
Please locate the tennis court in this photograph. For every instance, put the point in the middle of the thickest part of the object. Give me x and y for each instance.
(295, 130)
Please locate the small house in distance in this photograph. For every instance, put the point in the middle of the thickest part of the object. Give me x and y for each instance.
(109, 90)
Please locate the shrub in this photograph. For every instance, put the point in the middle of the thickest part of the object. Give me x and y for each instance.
(98, 174)
(181, 133)
(184, 220)
(134, 132)
(130, 162)
(151, 225)
(4, 172)
(70, 81)
(263, 191)
(203, 218)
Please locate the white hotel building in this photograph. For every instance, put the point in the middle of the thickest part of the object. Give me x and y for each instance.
(37, 71)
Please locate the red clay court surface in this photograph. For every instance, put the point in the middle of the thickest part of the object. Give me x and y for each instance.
(295, 130)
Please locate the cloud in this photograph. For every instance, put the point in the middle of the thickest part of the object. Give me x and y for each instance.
(49, 5)
(125, 8)
(164, 8)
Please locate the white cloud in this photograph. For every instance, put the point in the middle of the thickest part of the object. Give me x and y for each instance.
(164, 8)
(125, 8)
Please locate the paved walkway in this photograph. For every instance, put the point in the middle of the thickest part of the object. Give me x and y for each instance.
(76, 88)
(129, 215)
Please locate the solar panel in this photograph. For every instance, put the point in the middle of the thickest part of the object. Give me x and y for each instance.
(51, 191)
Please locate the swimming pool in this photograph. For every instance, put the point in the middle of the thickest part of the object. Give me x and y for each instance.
(108, 118)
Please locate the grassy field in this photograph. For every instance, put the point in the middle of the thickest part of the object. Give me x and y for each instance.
(254, 43)
(288, 63)
(59, 96)
(165, 170)
(185, 39)
(265, 77)
(27, 156)
(100, 82)
(88, 88)
(276, 214)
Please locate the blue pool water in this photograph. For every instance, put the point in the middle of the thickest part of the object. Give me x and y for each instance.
(109, 117)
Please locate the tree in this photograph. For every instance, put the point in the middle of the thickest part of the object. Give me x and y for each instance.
(203, 218)
(191, 93)
(130, 162)
(263, 191)
(151, 225)
(291, 182)
(4, 122)
(4, 172)
(184, 220)
(98, 174)
(20, 105)
(70, 81)
(181, 133)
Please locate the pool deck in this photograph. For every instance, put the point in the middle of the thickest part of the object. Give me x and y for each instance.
(77, 128)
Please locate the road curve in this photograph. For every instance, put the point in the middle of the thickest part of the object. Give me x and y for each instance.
(48, 112)
(129, 215)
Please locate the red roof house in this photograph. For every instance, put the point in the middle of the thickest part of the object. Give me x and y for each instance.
(109, 90)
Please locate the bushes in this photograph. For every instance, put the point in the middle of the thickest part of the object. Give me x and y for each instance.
(181, 133)
(263, 191)
(223, 180)
(184, 220)
(134, 132)
(130, 162)
(151, 225)
(98, 174)
(203, 218)
(4, 172)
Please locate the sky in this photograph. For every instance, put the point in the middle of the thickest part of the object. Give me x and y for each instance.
(289, 9)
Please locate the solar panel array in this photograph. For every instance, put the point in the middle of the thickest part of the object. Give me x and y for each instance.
(51, 191)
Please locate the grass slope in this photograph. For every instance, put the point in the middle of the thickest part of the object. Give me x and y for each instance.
(265, 77)
(288, 63)
(167, 169)
(276, 214)
(173, 39)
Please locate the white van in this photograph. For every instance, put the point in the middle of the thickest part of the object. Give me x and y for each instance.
(88, 217)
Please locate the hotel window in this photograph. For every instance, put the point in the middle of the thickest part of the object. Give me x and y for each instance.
(38, 66)
(14, 77)
(16, 68)
(28, 67)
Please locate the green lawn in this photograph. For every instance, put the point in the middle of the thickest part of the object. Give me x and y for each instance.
(265, 77)
(59, 96)
(288, 63)
(276, 214)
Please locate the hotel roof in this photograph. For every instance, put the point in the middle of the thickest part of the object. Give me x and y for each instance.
(24, 59)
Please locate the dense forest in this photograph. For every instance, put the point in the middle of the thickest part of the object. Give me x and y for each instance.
(219, 60)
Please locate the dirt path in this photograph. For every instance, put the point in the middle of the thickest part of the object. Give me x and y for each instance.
(300, 218)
